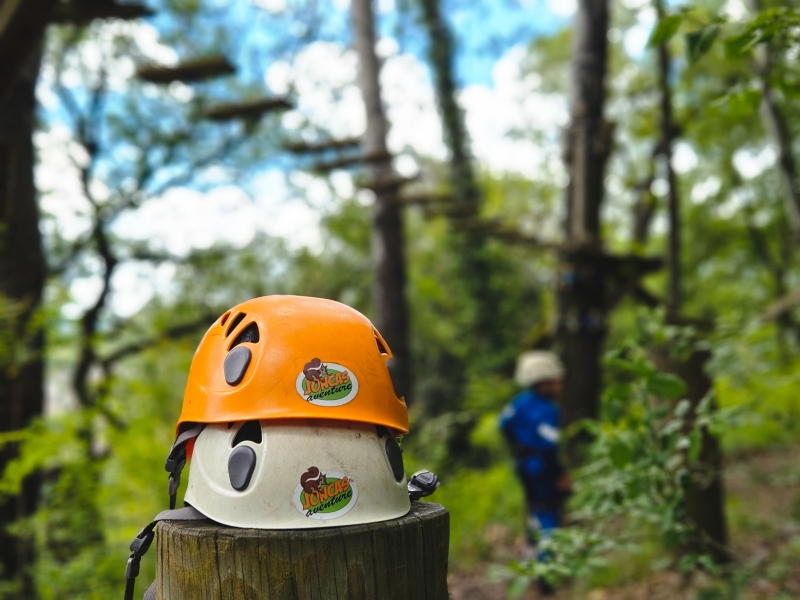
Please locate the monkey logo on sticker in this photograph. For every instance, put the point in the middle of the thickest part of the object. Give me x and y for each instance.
(325, 496)
(326, 384)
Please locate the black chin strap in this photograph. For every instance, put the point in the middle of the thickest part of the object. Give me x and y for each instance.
(141, 543)
(176, 460)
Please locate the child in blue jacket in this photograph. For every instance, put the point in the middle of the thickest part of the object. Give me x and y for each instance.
(530, 424)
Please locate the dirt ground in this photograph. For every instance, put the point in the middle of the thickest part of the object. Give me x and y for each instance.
(763, 509)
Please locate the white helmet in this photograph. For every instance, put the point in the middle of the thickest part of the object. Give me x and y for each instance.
(297, 474)
(538, 365)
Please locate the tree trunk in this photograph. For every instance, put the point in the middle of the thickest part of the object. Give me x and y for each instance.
(705, 504)
(674, 295)
(22, 276)
(401, 559)
(778, 128)
(441, 53)
(22, 24)
(705, 501)
(581, 287)
(475, 265)
(388, 244)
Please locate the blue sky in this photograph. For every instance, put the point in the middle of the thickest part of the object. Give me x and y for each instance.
(485, 29)
(256, 39)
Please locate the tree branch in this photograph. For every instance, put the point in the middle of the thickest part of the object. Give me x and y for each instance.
(172, 332)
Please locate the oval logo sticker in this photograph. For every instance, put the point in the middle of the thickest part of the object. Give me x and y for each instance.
(326, 384)
(325, 496)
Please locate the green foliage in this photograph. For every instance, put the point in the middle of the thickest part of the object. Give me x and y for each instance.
(641, 460)
(486, 507)
(774, 24)
(699, 42)
(665, 30)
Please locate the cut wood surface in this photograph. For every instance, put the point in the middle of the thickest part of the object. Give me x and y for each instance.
(402, 559)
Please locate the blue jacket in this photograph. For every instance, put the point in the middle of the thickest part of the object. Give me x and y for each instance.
(530, 425)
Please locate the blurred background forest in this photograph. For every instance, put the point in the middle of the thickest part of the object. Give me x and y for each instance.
(613, 179)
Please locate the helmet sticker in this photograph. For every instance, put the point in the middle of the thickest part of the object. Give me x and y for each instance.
(326, 384)
(325, 496)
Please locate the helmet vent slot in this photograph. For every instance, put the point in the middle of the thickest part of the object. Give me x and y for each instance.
(249, 432)
(381, 344)
(395, 456)
(248, 334)
(237, 319)
(224, 318)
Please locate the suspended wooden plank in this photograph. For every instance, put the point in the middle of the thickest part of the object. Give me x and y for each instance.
(251, 110)
(312, 147)
(22, 23)
(84, 11)
(198, 69)
(386, 183)
(496, 229)
(350, 161)
(426, 200)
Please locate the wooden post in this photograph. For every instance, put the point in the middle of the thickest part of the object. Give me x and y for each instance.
(402, 559)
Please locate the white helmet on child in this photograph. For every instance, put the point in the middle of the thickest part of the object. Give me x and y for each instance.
(535, 366)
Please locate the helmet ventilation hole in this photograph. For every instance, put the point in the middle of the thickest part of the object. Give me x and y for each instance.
(224, 318)
(395, 456)
(381, 344)
(391, 365)
(249, 432)
(248, 334)
(236, 320)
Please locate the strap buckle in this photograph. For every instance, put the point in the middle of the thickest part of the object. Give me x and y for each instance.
(421, 484)
(176, 460)
(141, 543)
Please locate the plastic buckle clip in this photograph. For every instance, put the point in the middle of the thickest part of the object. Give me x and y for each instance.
(132, 568)
(421, 484)
(141, 543)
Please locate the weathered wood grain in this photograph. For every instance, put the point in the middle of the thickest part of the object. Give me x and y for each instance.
(402, 559)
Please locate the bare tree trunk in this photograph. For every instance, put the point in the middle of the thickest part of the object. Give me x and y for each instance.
(22, 276)
(668, 131)
(388, 243)
(778, 128)
(441, 53)
(705, 502)
(475, 265)
(581, 287)
(22, 24)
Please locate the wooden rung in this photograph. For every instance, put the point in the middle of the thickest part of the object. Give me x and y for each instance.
(191, 70)
(251, 110)
(311, 147)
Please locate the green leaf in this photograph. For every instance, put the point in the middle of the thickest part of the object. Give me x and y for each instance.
(739, 45)
(665, 30)
(699, 42)
(682, 408)
(518, 586)
(696, 445)
(620, 453)
(666, 386)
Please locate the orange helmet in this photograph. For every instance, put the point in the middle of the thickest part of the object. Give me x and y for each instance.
(288, 357)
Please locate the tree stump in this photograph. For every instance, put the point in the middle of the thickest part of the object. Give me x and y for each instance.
(402, 559)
